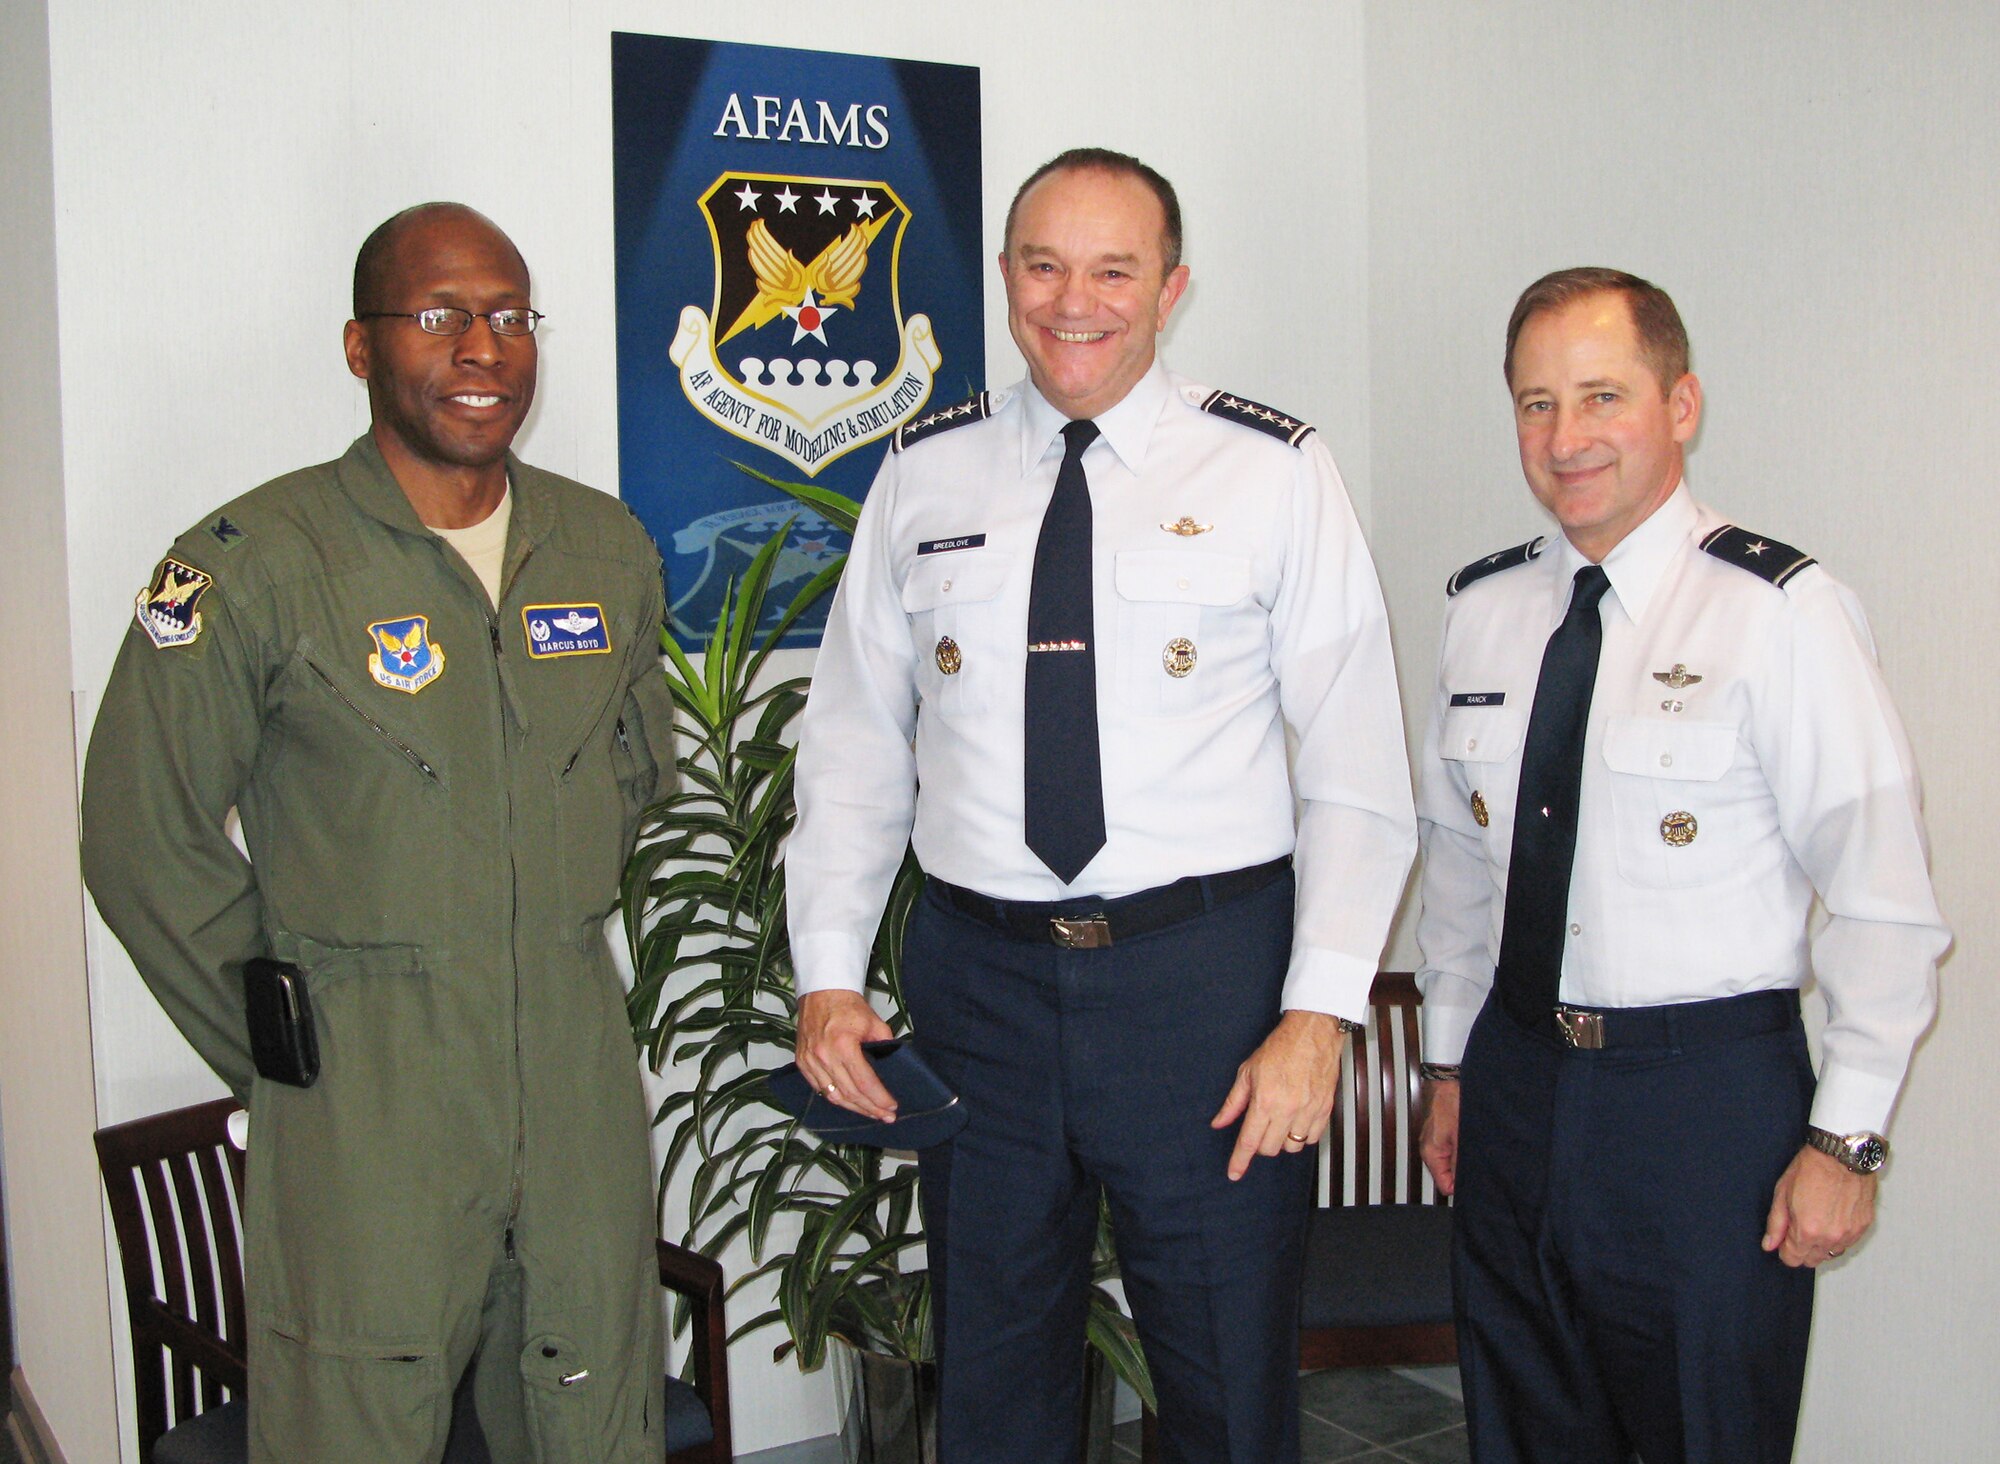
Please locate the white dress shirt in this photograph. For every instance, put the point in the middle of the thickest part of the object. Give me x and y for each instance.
(1267, 578)
(1781, 744)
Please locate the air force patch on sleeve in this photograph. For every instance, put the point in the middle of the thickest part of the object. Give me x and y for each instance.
(166, 608)
(565, 630)
(405, 657)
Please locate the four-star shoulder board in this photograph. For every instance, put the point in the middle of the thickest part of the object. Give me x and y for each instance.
(1765, 558)
(1272, 423)
(1493, 563)
(972, 409)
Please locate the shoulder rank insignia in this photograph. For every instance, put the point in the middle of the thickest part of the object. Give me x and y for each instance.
(166, 607)
(1255, 414)
(226, 533)
(405, 657)
(565, 630)
(1493, 563)
(1765, 558)
(972, 409)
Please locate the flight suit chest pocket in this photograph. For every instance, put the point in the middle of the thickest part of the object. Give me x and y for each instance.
(1681, 819)
(1484, 744)
(953, 604)
(1189, 635)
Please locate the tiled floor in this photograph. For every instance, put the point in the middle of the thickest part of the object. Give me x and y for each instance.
(1370, 1414)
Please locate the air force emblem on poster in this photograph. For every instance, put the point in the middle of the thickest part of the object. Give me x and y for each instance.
(806, 352)
(565, 630)
(166, 607)
(405, 657)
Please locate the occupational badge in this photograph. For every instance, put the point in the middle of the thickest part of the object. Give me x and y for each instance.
(1186, 527)
(948, 659)
(565, 630)
(166, 609)
(1677, 678)
(1178, 657)
(806, 352)
(1479, 815)
(405, 658)
(1679, 828)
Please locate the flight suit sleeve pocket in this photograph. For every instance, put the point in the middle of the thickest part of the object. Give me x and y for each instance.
(953, 602)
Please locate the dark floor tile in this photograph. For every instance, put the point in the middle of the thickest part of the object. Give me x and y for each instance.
(1446, 1446)
(1377, 1405)
(1321, 1442)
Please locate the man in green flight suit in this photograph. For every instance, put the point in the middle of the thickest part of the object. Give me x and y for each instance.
(426, 676)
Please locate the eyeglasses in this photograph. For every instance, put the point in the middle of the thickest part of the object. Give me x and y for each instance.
(449, 320)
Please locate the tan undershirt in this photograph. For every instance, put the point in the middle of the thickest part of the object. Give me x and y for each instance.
(484, 545)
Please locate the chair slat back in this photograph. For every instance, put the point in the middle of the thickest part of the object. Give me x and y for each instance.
(175, 1183)
(1370, 1153)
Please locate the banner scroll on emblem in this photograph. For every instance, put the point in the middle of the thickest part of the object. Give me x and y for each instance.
(799, 274)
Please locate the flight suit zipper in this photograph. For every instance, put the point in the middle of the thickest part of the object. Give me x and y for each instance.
(384, 733)
(514, 944)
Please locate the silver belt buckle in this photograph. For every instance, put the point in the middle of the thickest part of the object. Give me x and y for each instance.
(1085, 934)
(1581, 1029)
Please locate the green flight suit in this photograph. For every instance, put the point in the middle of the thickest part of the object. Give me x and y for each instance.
(438, 824)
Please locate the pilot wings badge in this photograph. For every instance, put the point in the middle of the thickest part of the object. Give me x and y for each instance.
(805, 351)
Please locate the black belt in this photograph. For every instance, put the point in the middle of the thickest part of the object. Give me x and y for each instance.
(1676, 1024)
(1084, 922)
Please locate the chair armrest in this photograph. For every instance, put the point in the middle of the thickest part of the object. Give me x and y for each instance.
(700, 1280)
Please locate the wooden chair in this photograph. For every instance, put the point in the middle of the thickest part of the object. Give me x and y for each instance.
(175, 1185)
(1377, 1288)
(1378, 1256)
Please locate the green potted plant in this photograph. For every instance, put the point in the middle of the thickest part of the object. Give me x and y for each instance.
(838, 1227)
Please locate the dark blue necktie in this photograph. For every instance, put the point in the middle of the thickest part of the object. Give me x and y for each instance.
(1064, 775)
(1531, 936)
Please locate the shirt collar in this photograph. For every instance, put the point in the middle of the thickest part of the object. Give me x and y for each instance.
(1637, 564)
(1127, 426)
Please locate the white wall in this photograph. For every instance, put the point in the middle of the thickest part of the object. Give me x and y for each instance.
(216, 164)
(55, 1233)
(1814, 185)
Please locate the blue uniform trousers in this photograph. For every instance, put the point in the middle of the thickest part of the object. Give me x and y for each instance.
(1613, 1297)
(1089, 1068)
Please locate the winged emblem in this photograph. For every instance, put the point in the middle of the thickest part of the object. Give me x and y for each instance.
(783, 284)
(576, 622)
(1676, 678)
(172, 591)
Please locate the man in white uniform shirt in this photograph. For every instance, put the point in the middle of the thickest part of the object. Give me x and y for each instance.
(1653, 740)
(1079, 616)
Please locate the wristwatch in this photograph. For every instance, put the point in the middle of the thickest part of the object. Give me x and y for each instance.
(1863, 1152)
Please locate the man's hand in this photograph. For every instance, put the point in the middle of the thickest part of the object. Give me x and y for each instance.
(1284, 1090)
(1820, 1208)
(832, 1027)
(1438, 1143)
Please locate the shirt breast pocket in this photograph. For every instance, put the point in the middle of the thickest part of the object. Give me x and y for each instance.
(953, 604)
(1680, 819)
(1484, 744)
(1188, 635)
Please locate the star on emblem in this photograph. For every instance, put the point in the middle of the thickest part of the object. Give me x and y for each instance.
(826, 201)
(788, 201)
(1757, 548)
(865, 205)
(748, 196)
(808, 317)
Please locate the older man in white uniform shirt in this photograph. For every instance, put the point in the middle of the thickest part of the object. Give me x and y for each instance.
(1110, 963)
(1653, 740)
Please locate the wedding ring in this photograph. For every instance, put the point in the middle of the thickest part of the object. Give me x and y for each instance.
(1295, 1138)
